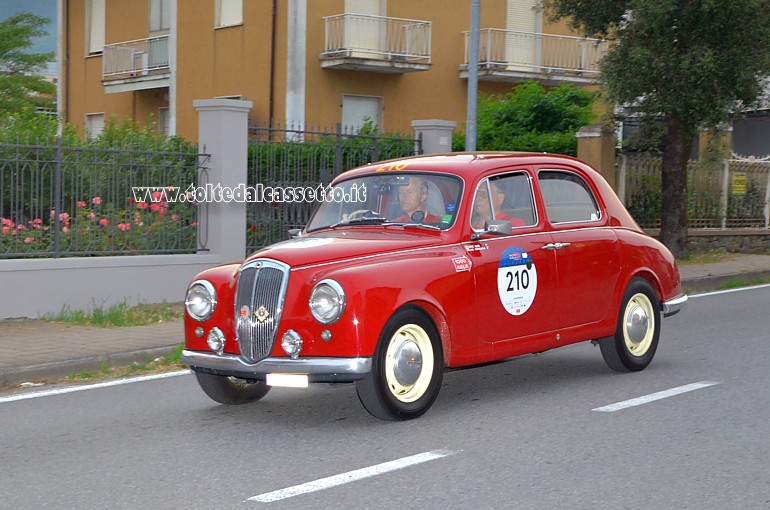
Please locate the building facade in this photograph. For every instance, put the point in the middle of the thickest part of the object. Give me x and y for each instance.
(303, 62)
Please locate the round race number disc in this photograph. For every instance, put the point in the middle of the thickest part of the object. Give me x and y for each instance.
(516, 280)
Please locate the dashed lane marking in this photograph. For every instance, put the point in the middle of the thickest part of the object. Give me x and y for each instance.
(350, 476)
(654, 396)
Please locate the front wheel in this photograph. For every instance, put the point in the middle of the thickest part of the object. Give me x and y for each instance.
(638, 330)
(407, 368)
(231, 390)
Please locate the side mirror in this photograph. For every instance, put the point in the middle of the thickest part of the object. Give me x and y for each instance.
(495, 227)
(294, 232)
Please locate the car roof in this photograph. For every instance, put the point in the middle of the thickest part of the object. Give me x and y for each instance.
(464, 164)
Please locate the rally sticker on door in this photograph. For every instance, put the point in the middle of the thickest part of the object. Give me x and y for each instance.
(516, 280)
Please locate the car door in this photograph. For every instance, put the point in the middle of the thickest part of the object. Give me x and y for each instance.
(514, 277)
(586, 247)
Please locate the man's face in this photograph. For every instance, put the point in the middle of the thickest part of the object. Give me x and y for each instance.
(481, 204)
(411, 197)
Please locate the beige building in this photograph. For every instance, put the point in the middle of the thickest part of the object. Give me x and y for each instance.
(310, 63)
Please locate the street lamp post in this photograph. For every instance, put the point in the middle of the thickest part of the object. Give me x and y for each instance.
(473, 77)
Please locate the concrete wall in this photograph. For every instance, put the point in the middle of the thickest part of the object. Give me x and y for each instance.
(32, 288)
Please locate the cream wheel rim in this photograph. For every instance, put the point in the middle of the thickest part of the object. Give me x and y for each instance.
(409, 363)
(638, 325)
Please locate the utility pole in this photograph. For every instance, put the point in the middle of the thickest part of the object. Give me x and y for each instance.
(473, 77)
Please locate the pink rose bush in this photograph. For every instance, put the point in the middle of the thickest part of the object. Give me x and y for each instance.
(94, 225)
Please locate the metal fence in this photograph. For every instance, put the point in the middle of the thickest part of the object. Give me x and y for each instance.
(65, 199)
(287, 157)
(734, 193)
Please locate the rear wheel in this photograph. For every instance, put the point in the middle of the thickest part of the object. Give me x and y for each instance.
(638, 330)
(231, 390)
(407, 368)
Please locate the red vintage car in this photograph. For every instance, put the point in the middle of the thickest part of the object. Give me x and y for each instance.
(415, 266)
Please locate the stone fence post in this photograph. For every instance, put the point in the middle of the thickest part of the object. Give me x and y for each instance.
(596, 146)
(436, 135)
(223, 133)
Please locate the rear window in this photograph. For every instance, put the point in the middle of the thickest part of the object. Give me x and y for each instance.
(567, 197)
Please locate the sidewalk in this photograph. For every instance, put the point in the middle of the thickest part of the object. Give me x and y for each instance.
(32, 350)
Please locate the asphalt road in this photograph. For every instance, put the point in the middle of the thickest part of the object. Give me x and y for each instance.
(527, 434)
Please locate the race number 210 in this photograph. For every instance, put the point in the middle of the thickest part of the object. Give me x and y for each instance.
(518, 279)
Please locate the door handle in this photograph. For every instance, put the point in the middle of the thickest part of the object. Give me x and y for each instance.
(555, 246)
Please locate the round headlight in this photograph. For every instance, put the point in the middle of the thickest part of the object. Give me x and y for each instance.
(201, 300)
(327, 301)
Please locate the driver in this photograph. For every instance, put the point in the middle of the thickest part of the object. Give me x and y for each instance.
(412, 199)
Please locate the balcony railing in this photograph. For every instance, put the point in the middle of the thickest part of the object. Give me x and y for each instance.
(365, 42)
(509, 53)
(136, 59)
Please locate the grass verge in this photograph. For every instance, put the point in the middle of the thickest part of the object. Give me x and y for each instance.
(740, 282)
(122, 314)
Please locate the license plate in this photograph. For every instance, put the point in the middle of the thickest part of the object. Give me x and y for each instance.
(287, 380)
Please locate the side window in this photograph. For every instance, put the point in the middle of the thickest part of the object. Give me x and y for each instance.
(567, 198)
(507, 197)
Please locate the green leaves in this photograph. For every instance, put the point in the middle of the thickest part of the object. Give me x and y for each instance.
(531, 118)
(21, 84)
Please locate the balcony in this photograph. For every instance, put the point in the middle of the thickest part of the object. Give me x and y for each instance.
(511, 56)
(379, 44)
(136, 65)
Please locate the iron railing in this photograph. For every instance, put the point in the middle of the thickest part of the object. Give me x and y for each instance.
(380, 37)
(136, 59)
(511, 50)
(734, 193)
(289, 157)
(64, 199)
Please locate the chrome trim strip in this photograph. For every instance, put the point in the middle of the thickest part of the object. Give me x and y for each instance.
(674, 305)
(309, 366)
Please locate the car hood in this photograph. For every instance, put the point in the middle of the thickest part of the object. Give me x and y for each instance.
(345, 244)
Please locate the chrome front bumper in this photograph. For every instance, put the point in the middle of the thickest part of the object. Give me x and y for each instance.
(672, 306)
(317, 369)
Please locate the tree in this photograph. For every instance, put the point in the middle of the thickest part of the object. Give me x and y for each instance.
(686, 64)
(531, 118)
(21, 85)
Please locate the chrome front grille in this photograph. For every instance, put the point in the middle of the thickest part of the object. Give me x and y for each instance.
(258, 305)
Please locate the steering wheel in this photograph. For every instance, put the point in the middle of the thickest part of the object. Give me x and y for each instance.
(361, 213)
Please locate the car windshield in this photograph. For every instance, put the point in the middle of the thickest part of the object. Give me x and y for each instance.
(426, 200)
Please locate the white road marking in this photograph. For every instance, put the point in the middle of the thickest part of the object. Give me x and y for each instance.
(350, 476)
(654, 396)
(729, 291)
(107, 384)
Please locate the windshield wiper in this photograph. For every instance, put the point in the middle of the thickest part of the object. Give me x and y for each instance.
(416, 225)
(373, 220)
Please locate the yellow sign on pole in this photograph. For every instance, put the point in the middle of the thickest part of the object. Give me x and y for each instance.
(739, 183)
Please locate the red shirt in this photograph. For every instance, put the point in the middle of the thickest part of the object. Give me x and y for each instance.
(515, 222)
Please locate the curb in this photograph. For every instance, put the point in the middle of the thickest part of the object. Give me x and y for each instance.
(14, 376)
(709, 283)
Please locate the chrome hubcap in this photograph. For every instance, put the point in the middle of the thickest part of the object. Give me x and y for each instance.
(407, 363)
(636, 325)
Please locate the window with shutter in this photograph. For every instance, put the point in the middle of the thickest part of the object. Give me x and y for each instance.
(229, 12)
(95, 20)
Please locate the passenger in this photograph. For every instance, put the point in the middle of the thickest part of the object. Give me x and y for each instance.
(412, 199)
(482, 212)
